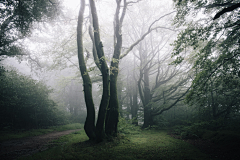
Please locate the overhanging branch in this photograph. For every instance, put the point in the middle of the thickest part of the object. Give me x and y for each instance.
(140, 39)
(165, 109)
(228, 9)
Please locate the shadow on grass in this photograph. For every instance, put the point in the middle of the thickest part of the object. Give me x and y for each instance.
(152, 145)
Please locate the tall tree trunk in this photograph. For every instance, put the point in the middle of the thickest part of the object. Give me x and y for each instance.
(113, 108)
(120, 98)
(89, 125)
(112, 112)
(214, 108)
(111, 123)
(71, 106)
(135, 95)
(109, 100)
(105, 74)
(134, 107)
(147, 95)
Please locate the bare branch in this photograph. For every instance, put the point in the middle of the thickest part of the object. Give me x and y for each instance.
(225, 60)
(123, 12)
(219, 5)
(140, 39)
(173, 104)
(134, 2)
(160, 19)
(140, 88)
(228, 9)
(94, 50)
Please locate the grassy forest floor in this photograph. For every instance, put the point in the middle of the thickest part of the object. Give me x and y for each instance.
(145, 145)
(16, 134)
(142, 145)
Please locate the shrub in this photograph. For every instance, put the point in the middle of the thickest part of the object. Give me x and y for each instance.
(126, 127)
(25, 102)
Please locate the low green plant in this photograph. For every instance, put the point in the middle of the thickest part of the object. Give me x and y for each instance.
(126, 127)
(69, 127)
(197, 130)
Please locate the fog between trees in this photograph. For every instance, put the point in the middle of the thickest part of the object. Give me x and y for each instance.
(146, 61)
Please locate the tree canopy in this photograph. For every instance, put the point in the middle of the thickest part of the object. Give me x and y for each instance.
(211, 35)
(17, 18)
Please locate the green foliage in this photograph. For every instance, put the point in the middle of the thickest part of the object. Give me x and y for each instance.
(194, 131)
(203, 129)
(126, 127)
(161, 122)
(215, 44)
(25, 102)
(68, 127)
(17, 19)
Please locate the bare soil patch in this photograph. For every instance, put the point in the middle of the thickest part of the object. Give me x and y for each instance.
(27, 146)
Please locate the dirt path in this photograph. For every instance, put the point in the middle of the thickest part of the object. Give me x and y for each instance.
(27, 146)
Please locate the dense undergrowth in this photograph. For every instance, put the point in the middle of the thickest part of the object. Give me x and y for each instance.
(220, 134)
(25, 103)
(205, 129)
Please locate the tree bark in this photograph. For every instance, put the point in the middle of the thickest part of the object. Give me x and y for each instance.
(147, 96)
(89, 125)
(105, 74)
(112, 112)
(113, 108)
(134, 107)
(120, 98)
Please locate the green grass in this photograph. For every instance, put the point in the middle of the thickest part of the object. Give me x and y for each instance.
(68, 127)
(148, 144)
(9, 135)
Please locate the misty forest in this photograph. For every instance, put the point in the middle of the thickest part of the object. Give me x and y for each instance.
(120, 79)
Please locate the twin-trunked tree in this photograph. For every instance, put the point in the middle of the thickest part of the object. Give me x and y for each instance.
(108, 110)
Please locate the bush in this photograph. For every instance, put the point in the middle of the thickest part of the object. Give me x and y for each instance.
(25, 102)
(195, 130)
(126, 127)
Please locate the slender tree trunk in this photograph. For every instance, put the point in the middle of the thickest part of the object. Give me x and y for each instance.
(113, 108)
(134, 108)
(111, 123)
(104, 102)
(89, 125)
(112, 112)
(105, 74)
(135, 95)
(214, 108)
(72, 99)
(120, 98)
(147, 95)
